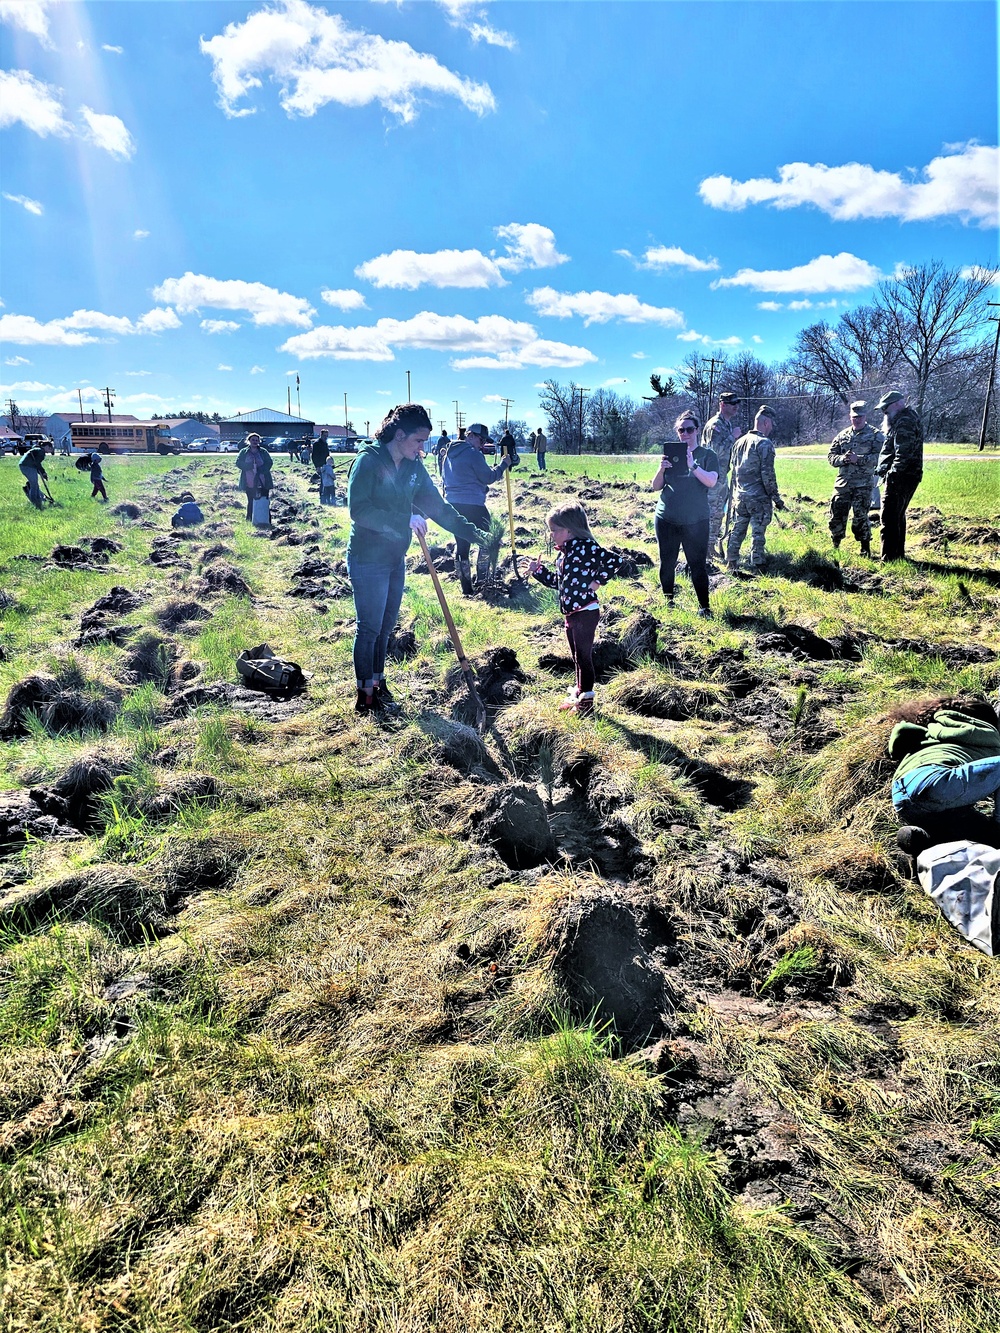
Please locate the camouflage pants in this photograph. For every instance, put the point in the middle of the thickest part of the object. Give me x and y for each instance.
(858, 499)
(754, 512)
(718, 497)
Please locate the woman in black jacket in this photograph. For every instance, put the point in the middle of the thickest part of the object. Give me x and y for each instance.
(684, 479)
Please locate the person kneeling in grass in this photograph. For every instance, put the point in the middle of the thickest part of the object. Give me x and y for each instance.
(947, 753)
(582, 566)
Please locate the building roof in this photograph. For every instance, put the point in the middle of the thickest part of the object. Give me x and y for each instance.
(260, 415)
(87, 419)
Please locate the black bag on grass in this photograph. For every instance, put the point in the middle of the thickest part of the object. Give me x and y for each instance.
(261, 670)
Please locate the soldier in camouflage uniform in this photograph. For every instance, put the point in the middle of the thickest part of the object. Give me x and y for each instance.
(755, 491)
(854, 452)
(720, 436)
(901, 466)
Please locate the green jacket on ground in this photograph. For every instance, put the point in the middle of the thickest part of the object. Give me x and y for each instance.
(949, 740)
(382, 499)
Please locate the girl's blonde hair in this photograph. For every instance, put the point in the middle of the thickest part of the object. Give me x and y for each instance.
(573, 518)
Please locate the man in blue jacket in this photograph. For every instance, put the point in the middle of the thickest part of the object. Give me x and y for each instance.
(466, 477)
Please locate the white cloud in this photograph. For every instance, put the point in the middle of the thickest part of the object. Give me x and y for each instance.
(659, 258)
(139, 234)
(156, 321)
(961, 183)
(221, 367)
(638, 356)
(528, 245)
(978, 272)
(258, 370)
(770, 305)
(35, 104)
(17, 361)
(266, 304)
(30, 205)
(316, 58)
(493, 398)
(407, 269)
(806, 304)
(135, 374)
(109, 133)
(757, 338)
(28, 386)
(601, 307)
(610, 384)
(28, 331)
(30, 16)
(507, 343)
(471, 16)
(343, 298)
(219, 325)
(826, 273)
(115, 50)
(691, 336)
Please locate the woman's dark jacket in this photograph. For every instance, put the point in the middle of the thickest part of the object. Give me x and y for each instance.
(382, 499)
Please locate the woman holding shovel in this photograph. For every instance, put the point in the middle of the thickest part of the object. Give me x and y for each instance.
(466, 476)
(388, 483)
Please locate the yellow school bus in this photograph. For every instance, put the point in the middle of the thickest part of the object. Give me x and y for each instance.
(131, 437)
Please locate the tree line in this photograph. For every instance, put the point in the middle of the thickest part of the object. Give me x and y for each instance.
(926, 331)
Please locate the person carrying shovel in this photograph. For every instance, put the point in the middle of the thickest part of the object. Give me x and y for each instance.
(466, 476)
(388, 482)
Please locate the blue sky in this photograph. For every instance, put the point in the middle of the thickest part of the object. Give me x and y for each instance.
(202, 200)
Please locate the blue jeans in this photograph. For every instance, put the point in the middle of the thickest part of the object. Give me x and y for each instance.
(932, 788)
(378, 593)
(540, 460)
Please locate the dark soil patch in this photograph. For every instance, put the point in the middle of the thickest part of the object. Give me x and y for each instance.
(952, 654)
(674, 703)
(60, 708)
(22, 818)
(402, 645)
(151, 659)
(104, 545)
(633, 562)
(69, 556)
(99, 634)
(222, 579)
(309, 588)
(74, 796)
(618, 650)
(458, 746)
(728, 665)
(499, 682)
(513, 822)
(118, 602)
(798, 642)
(176, 612)
(217, 551)
(313, 567)
(127, 510)
(610, 950)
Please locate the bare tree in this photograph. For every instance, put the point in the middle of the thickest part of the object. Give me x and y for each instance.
(517, 428)
(561, 405)
(33, 420)
(937, 315)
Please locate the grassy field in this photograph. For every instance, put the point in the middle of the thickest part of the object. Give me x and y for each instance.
(630, 1023)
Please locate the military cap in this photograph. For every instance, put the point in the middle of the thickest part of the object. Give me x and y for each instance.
(765, 411)
(858, 406)
(730, 399)
(888, 399)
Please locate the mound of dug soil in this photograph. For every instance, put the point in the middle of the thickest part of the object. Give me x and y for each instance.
(615, 650)
(805, 644)
(646, 694)
(514, 823)
(118, 602)
(60, 706)
(151, 659)
(610, 950)
(127, 510)
(223, 579)
(131, 907)
(192, 865)
(21, 818)
(176, 612)
(74, 796)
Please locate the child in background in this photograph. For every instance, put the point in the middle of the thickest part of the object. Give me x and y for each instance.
(327, 484)
(581, 568)
(97, 478)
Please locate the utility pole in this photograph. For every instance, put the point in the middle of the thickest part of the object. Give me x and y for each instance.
(712, 363)
(993, 370)
(109, 397)
(14, 415)
(298, 400)
(441, 424)
(346, 432)
(506, 410)
(289, 400)
(408, 398)
(79, 399)
(367, 427)
(579, 449)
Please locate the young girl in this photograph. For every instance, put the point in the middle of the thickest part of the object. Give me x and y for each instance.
(581, 568)
(327, 484)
